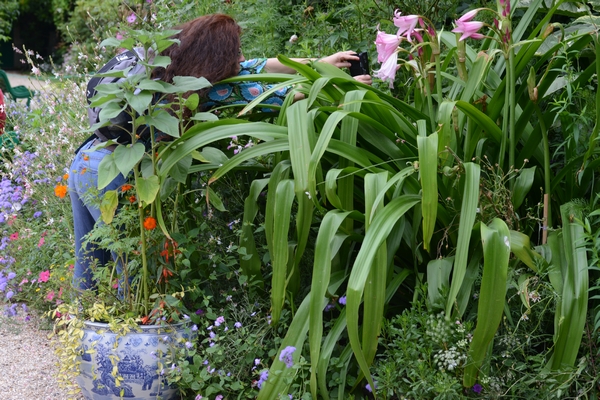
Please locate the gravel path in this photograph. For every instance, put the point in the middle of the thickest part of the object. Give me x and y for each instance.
(27, 361)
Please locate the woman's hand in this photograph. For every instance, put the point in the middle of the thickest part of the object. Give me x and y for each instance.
(340, 59)
(366, 79)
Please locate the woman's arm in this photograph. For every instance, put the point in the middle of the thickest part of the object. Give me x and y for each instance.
(340, 60)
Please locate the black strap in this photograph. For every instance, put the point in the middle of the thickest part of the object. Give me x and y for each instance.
(91, 86)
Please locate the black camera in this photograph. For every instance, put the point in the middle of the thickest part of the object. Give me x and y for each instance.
(361, 66)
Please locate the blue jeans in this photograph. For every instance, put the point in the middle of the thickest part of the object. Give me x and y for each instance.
(83, 175)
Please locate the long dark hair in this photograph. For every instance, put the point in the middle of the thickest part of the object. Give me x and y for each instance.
(209, 47)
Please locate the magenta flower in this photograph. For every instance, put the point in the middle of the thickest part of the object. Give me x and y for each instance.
(44, 276)
(131, 19)
(386, 44)
(468, 29)
(406, 25)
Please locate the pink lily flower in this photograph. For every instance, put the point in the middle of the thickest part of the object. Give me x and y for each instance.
(386, 44)
(388, 69)
(469, 16)
(406, 25)
(468, 29)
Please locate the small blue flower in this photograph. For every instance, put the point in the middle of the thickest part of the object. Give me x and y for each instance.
(286, 356)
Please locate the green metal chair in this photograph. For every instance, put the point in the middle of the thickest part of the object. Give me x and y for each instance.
(17, 92)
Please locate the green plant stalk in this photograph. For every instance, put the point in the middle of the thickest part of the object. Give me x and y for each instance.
(461, 56)
(428, 94)
(145, 291)
(438, 82)
(512, 106)
(547, 181)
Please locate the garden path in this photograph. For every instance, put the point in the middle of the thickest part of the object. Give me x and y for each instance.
(27, 362)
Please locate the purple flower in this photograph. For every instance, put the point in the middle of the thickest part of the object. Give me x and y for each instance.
(477, 388)
(37, 214)
(264, 375)
(238, 325)
(189, 345)
(194, 328)
(219, 397)
(342, 300)
(131, 19)
(286, 356)
(220, 320)
(9, 294)
(199, 312)
(368, 387)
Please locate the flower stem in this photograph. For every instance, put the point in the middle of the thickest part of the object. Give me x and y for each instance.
(144, 283)
(547, 187)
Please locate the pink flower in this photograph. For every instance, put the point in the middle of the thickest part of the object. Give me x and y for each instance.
(41, 242)
(468, 29)
(469, 16)
(119, 35)
(386, 45)
(406, 25)
(388, 70)
(50, 295)
(131, 19)
(44, 276)
(14, 236)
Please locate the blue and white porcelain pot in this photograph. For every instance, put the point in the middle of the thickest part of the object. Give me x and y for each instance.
(137, 357)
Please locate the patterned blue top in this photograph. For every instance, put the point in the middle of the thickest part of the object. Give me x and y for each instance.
(223, 94)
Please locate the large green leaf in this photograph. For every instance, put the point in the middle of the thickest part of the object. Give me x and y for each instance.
(496, 251)
(250, 263)
(127, 156)
(147, 188)
(572, 309)
(320, 282)
(374, 293)
(279, 375)
(428, 147)
(468, 210)
(380, 228)
(279, 250)
(108, 205)
(107, 170)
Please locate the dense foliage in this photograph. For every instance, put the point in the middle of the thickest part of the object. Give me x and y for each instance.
(438, 239)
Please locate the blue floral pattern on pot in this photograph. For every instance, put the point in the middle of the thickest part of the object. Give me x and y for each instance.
(138, 356)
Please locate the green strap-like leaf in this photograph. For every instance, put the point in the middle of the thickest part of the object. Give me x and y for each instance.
(428, 147)
(374, 291)
(522, 186)
(380, 229)
(279, 375)
(572, 310)
(250, 264)
(284, 198)
(468, 210)
(320, 281)
(496, 251)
